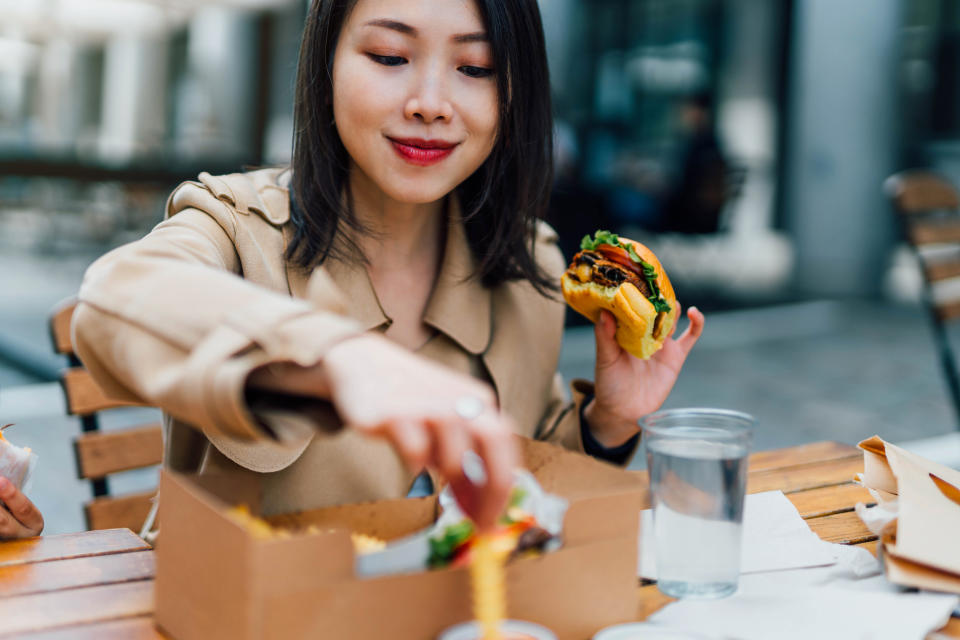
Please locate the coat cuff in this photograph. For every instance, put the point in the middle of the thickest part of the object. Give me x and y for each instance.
(618, 455)
(567, 429)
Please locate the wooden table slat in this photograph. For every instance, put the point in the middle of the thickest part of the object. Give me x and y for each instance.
(125, 629)
(870, 546)
(815, 503)
(951, 630)
(37, 577)
(42, 611)
(842, 528)
(804, 454)
(70, 545)
(806, 476)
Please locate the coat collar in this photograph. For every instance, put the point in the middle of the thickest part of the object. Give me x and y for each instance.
(459, 306)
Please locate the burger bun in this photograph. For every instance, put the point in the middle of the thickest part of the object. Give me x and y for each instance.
(637, 329)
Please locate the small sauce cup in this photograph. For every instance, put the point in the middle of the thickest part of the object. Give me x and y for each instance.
(509, 630)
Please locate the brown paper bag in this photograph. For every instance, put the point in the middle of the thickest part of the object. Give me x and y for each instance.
(923, 548)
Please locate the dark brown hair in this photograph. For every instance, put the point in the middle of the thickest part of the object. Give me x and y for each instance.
(501, 201)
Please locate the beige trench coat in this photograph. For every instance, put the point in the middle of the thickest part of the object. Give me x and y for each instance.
(181, 317)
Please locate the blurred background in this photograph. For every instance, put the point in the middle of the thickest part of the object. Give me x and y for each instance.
(746, 141)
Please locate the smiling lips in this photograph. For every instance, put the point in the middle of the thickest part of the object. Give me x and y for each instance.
(422, 152)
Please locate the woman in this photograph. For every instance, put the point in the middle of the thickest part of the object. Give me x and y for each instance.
(394, 280)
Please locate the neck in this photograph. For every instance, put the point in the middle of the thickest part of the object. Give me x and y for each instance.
(402, 233)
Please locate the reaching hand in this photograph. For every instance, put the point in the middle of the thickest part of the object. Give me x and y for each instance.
(431, 414)
(628, 388)
(19, 518)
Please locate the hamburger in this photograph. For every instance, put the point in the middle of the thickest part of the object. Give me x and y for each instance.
(624, 277)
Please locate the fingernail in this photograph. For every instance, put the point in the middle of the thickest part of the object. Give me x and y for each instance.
(4, 483)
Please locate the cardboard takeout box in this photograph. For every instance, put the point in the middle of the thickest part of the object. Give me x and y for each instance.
(215, 579)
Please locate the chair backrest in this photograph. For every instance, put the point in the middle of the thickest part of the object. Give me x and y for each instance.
(102, 453)
(929, 210)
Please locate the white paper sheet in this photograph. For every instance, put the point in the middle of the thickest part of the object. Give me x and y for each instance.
(837, 602)
(775, 538)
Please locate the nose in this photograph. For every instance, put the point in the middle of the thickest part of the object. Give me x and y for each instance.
(428, 102)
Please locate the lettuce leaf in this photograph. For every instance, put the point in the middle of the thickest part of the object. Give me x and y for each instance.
(649, 271)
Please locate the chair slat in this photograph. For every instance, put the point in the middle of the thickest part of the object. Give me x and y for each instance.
(947, 310)
(942, 270)
(921, 192)
(128, 511)
(934, 231)
(100, 454)
(84, 396)
(60, 326)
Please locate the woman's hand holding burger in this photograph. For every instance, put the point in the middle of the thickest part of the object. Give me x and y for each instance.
(628, 388)
(621, 286)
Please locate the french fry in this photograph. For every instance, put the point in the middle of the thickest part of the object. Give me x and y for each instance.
(489, 585)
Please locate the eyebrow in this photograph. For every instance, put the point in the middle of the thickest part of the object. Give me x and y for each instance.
(406, 29)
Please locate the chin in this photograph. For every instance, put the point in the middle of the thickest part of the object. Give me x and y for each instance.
(414, 191)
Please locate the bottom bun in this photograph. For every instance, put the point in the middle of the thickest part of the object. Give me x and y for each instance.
(635, 314)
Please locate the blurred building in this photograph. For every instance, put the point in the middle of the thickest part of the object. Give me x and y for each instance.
(106, 104)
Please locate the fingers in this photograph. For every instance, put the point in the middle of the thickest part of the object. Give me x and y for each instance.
(411, 442)
(20, 518)
(491, 437)
(498, 450)
(693, 331)
(673, 329)
(605, 330)
(451, 441)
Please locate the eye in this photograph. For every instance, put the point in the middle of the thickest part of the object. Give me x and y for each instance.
(475, 72)
(387, 61)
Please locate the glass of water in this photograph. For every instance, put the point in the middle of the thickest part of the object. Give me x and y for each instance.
(697, 460)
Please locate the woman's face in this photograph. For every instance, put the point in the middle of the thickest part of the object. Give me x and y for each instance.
(414, 95)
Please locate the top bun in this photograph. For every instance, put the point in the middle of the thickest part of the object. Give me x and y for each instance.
(638, 331)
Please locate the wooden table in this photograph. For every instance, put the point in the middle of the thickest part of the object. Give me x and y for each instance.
(99, 584)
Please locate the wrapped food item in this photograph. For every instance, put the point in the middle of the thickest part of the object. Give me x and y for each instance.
(519, 533)
(16, 463)
(531, 524)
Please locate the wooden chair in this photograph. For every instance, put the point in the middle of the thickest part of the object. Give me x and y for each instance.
(929, 210)
(101, 453)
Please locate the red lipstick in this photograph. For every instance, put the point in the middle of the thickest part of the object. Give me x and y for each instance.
(422, 152)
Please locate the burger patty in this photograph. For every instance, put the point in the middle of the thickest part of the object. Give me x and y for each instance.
(590, 266)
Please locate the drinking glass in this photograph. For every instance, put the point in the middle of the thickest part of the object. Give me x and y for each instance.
(697, 460)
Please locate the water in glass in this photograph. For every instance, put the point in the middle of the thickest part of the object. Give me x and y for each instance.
(698, 490)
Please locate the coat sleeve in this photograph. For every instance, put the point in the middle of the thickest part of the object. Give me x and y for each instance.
(561, 423)
(169, 321)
